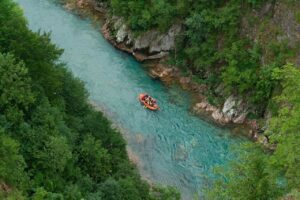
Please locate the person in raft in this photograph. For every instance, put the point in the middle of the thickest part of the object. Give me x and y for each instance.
(149, 100)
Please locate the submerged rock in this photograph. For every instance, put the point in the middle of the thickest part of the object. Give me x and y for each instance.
(181, 153)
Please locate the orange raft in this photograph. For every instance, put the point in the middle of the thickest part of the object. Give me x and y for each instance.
(150, 107)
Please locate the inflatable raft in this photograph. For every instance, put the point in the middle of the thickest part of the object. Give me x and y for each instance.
(142, 98)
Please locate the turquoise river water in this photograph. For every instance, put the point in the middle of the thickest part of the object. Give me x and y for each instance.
(170, 146)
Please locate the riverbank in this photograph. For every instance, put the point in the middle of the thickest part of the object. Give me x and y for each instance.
(232, 114)
(187, 146)
(53, 144)
(174, 146)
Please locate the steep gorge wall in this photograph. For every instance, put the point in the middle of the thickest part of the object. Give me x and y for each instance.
(276, 21)
(148, 46)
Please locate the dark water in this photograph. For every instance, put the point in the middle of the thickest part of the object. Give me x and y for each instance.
(172, 146)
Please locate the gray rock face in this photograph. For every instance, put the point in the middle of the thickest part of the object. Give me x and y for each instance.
(217, 115)
(233, 107)
(229, 107)
(165, 42)
(154, 41)
(129, 38)
(284, 17)
(157, 42)
(240, 119)
(122, 33)
(158, 55)
(117, 22)
(144, 41)
(235, 110)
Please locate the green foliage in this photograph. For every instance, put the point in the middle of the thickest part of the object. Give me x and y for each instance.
(12, 163)
(260, 175)
(111, 190)
(15, 91)
(241, 72)
(55, 155)
(165, 193)
(212, 46)
(255, 2)
(40, 194)
(216, 49)
(14, 195)
(244, 75)
(53, 144)
(285, 126)
(34, 49)
(298, 17)
(143, 15)
(94, 159)
(249, 178)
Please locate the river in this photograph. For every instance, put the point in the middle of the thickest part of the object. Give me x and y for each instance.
(170, 146)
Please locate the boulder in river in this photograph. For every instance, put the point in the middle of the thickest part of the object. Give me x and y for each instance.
(181, 153)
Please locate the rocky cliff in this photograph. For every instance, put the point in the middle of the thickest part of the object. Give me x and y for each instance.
(155, 45)
(145, 46)
(274, 21)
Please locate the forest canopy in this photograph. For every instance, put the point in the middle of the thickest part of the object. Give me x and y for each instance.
(53, 144)
(238, 46)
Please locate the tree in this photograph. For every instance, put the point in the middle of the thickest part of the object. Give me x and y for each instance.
(12, 164)
(55, 154)
(165, 193)
(258, 174)
(44, 115)
(248, 178)
(94, 159)
(15, 91)
(284, 129)
(111, 190)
